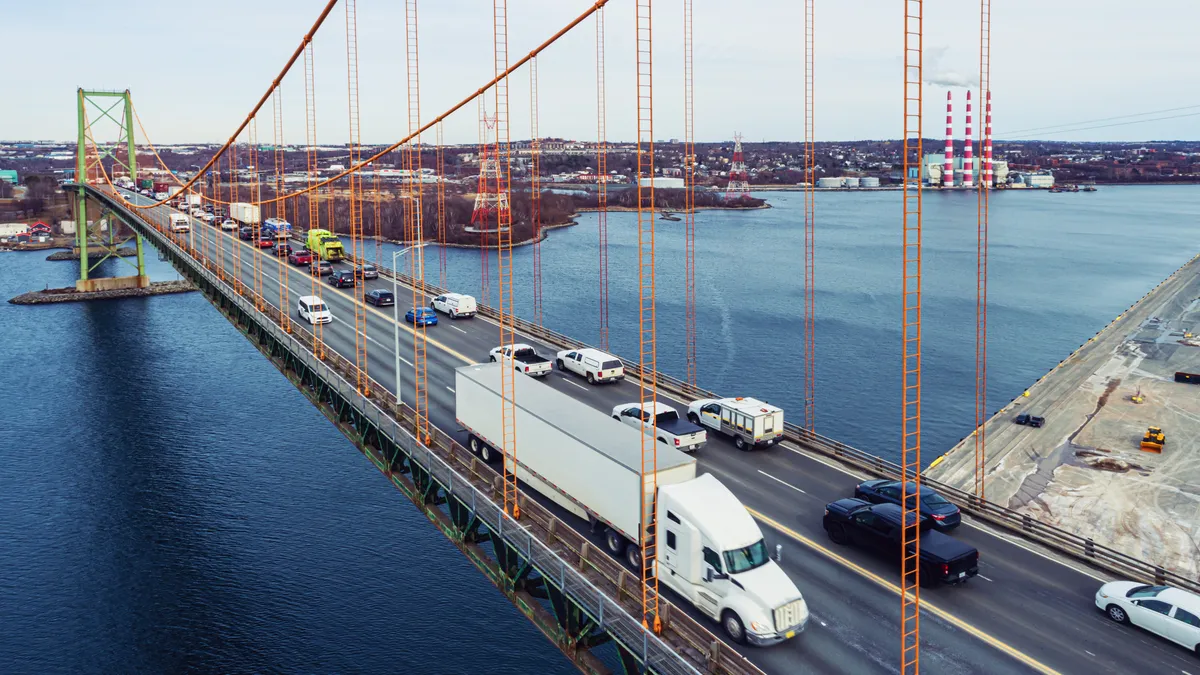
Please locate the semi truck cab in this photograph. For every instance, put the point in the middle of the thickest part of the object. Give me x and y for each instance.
(714, 554)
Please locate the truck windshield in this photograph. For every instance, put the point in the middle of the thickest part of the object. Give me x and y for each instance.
(746, 559)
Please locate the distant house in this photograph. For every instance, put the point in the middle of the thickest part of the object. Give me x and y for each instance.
(9, 176)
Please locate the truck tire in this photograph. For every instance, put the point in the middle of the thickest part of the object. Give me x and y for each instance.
(694, 418)
(740, 443)
(591, 379)
(615, 542)
(559, 364)
(492, 359)
(732, 623)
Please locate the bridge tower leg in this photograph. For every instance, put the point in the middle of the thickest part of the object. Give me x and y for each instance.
(104, 102)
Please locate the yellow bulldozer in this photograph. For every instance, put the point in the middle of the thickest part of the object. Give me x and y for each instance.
(1154, 440)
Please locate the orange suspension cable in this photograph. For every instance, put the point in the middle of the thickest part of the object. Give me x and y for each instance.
(689, 198)
(428, 125)
(256, 225)
(486, 161)
(235, 196)
(416, 256)
(355, 199)
(910, 560)
(535, 193)
(505, 305)
(441, 205)
(314, 206)
(601, 178)
(647, 327)
(285, 318)
(810, 216)
(981, 268)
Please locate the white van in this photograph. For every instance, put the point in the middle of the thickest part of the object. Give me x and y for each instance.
(311, 309)
(454, 304)
(592, 364)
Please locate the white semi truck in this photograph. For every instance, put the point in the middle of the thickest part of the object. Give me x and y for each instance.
(710, 551)
(244, 213)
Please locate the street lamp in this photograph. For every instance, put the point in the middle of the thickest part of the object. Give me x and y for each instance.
(396, 312)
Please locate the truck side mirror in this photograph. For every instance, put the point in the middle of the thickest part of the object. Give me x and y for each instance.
(708, 574)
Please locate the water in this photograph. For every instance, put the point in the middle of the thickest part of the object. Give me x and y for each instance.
(170, 503)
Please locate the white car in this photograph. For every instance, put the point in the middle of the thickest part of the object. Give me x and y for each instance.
(455, 305)
(207, 217)
(1167, 612)
(229, 225)
(592, 364)
(311, 309)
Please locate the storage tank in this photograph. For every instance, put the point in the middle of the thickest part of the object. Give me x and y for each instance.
(868, 182)
(851, 181)
(829, 182)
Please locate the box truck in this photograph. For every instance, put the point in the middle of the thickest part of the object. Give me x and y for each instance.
(244, 213)
(180, 223)
(710, 550)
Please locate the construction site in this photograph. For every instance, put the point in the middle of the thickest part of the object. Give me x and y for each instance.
(1104, 445)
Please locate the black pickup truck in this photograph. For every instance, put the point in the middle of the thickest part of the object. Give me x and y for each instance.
(944, 559)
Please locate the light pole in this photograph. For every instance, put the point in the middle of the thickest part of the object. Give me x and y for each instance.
(396, 313)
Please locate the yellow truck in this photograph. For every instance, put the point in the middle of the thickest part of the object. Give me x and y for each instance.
(325, 245)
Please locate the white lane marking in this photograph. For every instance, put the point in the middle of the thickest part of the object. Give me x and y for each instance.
(983, 577)
(1088, 653)
(575, 384)
(780, 480)
(998, 533)
(451, 389)
(459, 330)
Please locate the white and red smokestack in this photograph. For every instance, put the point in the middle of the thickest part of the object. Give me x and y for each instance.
(948, 167)
(987, 143)
(968, 160)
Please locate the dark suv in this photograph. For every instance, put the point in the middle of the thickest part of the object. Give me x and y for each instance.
(342, 279)
(1030, 420)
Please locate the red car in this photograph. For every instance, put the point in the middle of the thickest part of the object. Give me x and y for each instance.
(300, 257)
(266, 242)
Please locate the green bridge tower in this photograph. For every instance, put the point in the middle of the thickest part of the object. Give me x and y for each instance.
(101, 235)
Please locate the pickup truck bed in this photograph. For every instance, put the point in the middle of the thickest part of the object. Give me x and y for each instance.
(527, 361)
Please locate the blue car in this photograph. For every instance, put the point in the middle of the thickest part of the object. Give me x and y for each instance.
(421, 316)
(940, 512)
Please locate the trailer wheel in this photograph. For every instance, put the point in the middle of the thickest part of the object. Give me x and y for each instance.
(633, 555)
(615, 542)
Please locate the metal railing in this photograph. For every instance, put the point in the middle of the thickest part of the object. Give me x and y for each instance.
(1062, 541)
(601, 586)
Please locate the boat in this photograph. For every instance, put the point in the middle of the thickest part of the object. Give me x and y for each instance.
(1089, 188)
(667, 215)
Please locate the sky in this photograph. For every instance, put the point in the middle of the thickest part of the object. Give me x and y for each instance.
(196, 71)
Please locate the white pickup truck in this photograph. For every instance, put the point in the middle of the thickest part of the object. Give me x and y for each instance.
(668, 427)
(526, 359)
(593, 364)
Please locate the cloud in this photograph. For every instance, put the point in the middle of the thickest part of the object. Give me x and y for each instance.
(937, 75)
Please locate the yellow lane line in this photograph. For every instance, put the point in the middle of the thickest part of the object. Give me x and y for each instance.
(927, 606)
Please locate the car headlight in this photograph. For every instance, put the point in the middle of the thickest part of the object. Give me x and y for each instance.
(1102, 594)
(757, 627)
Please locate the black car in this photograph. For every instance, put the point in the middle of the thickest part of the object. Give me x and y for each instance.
(877, 527)
(380, 298)
(320, 268)
(942, 514)
(283, 250)
(342, 279)
(246, 233)
(1030, 420)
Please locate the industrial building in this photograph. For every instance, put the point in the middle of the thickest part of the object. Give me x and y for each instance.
(933, 171)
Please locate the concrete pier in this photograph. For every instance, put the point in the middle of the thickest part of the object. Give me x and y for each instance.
(1084, 471)
(106, 289)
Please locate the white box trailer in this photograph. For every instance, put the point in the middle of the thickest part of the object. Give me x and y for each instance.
(709, 550)
(575, 455)
(244, 213)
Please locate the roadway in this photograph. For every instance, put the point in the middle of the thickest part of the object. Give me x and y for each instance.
(1026, 612)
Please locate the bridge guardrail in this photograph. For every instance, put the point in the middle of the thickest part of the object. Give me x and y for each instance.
(1078, 547)
(577, 566)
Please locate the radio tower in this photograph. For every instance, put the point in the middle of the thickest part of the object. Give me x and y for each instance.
(739, 185)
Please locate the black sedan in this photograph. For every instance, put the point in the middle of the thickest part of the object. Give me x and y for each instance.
(380, 298)
(940, 512)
